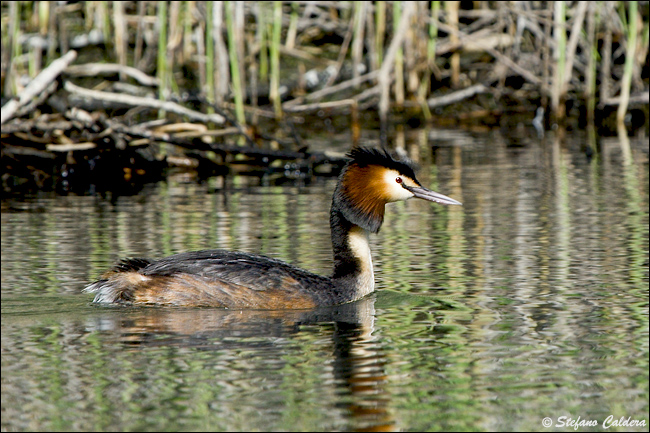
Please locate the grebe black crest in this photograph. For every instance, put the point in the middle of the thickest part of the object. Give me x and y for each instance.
(218, 278)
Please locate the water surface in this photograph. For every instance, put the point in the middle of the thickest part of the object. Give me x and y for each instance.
(529, 301)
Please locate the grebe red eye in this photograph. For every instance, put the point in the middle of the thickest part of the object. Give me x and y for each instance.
(398, 180)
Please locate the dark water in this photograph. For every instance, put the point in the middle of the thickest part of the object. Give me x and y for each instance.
(529, 301)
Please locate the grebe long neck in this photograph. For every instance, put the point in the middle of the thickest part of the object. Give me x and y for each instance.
(352, 259)
(357, 210)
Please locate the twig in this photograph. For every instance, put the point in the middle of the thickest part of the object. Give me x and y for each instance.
(37, 85)
(26, 109)
(342, 53)
(639, 98)
(629, 64)
(320, 106)
(23, 150)
(573, 43)
(146, 102)
(67, 147)
(387, 66)
(93, 69)
(41, 123)
(494, 53)
(330, 90)
(456, 96)
(304, 55)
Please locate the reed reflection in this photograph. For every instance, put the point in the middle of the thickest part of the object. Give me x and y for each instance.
(358, 377)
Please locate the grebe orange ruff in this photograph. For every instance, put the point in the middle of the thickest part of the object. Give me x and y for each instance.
(237, 280)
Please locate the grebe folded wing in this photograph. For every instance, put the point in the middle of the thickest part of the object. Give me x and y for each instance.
(212, 278)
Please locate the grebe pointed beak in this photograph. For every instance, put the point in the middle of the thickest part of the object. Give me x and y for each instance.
(427, 194)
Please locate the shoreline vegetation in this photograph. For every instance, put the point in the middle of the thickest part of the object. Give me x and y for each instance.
(118, 92)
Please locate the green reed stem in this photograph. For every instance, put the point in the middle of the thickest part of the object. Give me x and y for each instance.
(262, 41)
(187, 29)
(590, 76)
(234, 65)
(629, 62)
(16, 50)
(433, 32)
(163, 73)
(43, 17)
(359, 18)
(399, 56)
(559, 18)
(380, 32)
(275, 58)
(290, 41)
(209, 54)
(106, 24)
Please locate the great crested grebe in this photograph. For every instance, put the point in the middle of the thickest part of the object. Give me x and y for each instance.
(219, 278)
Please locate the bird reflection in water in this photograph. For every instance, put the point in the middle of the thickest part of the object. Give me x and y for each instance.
(357, 359)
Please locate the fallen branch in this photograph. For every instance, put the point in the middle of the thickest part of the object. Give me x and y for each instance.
(320, 106)
(94, 69)
(137, 101)
(67, 147)
(38, 100)
(464, 39)
(42, 123)
(456, 96)
(23, 150)
(639, 98)
(330, 90)
(37, 85)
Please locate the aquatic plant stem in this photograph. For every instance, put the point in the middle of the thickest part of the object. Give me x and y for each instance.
(399, 55)
(163, 78)
(452, 17)
(234, 65)
(559, 18)
(209, 55)
(275, 59)
(629, 63)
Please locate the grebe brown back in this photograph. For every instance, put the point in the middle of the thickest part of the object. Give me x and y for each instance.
(240, 280)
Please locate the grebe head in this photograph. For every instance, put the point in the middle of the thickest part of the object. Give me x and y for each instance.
(373, 178)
